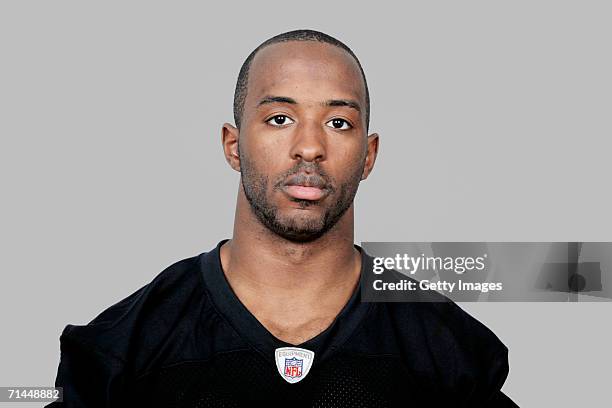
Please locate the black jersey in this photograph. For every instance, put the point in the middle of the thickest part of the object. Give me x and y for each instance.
(186, 340)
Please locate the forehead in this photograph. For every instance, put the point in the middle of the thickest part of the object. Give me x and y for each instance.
(306, 70)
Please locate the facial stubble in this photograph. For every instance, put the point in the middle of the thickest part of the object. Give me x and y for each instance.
(298, 228)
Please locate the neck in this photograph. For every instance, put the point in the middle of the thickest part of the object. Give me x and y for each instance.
(266, 260)
(295, 290)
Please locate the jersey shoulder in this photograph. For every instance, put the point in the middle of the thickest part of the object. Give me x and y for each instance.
(134, 327)
(442, 347)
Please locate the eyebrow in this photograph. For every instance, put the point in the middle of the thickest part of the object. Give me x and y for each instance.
(331, 102)
(344, 102)
(276, 99)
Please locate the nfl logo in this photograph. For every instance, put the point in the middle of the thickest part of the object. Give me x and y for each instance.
(293, 367)
(293, 363)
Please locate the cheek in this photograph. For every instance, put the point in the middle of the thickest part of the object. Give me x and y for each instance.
(265, 155)
(346, 157)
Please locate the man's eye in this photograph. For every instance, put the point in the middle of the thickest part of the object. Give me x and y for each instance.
(339, 124)
(279, 120)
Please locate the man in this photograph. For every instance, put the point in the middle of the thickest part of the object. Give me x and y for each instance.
(273, 316)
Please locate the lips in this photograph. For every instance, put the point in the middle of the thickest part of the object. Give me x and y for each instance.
(304, 192)
(305, 187)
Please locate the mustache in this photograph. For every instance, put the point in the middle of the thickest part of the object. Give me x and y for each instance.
(308, 174)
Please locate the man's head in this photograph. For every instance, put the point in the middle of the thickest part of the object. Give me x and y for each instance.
(302, 110)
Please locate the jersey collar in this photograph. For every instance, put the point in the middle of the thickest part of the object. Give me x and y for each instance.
(250, 329)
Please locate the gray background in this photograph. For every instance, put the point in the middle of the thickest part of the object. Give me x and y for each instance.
(494, 120)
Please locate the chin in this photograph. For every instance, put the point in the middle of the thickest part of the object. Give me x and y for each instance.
(301, 237)
(300, 229)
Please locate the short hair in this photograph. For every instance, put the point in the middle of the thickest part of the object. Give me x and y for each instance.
(297, 35)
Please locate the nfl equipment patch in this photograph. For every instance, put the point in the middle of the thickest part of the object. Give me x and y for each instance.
(293, 363)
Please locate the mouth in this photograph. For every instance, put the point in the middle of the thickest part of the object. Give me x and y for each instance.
(306, 187)
(304, 192)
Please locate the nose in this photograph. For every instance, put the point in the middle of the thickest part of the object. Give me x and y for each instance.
(309, 142)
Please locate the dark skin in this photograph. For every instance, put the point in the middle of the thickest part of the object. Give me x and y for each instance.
(304, 115)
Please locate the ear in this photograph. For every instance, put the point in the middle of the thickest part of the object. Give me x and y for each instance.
(229, 139)
(370, 155)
